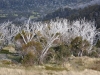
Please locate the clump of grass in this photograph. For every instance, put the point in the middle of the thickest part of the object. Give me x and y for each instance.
(96, 66)
(79, 62)
(6, 62)
(55, 68)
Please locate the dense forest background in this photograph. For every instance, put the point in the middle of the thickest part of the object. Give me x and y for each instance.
(19, 10)
(91, 12)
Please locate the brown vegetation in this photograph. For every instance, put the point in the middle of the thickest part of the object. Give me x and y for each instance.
(74, 66)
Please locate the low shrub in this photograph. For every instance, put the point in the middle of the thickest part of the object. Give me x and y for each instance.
(78, 45)
(29, 59)
(93, 54)
(59, 53)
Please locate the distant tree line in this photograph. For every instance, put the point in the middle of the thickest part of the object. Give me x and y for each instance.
(91, 12)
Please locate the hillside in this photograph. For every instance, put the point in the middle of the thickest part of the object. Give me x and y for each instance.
(89, 13)
(14, 10)
(37, 5)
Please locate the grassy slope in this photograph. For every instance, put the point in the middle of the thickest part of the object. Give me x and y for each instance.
(10, 71)
(73, 66)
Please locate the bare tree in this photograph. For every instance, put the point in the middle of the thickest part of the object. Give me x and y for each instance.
(60, 29)
(46, 33)
(86, 30)
(8, 32)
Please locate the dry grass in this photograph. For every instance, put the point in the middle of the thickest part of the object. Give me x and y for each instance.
(10, 71)
(82, 63)
(75, 65)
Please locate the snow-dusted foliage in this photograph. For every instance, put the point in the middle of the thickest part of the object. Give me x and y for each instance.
(7, 33)
(86, 30)
(46, 33)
